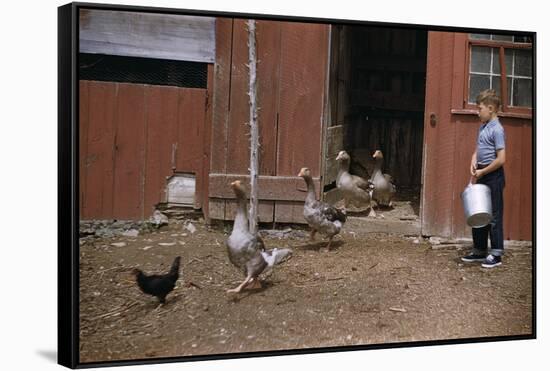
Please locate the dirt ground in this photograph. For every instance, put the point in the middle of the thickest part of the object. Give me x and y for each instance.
(371, 288)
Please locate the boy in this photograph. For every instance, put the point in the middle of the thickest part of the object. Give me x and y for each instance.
(487, 168)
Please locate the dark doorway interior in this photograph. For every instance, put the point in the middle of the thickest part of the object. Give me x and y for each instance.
(378, 79)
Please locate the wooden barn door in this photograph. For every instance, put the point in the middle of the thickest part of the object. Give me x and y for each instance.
(291, 95)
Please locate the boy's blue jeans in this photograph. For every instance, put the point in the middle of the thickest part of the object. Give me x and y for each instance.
(495, 181)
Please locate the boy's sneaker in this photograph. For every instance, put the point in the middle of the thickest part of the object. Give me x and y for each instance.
(492, 261)
(473, 258)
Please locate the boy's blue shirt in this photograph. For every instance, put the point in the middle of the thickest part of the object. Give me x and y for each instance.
(490, 139)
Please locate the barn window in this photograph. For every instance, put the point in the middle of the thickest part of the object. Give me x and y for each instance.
(503, 63)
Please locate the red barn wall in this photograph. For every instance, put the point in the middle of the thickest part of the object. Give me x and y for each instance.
(448, 147)
(132, 137)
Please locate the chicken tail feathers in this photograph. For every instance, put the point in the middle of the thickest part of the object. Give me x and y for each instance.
(175, 268)
(276, 256)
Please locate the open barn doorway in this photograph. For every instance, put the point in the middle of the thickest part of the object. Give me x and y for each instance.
(376, 96)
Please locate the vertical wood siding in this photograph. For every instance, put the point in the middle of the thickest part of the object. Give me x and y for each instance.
(291, 85)
(98, 171)
(129, 151)
(132, 137)
(439, 140)
(518, 202)
(162, 129)
(450, 144)
(304, 58)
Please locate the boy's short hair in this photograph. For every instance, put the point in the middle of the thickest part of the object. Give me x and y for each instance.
(489, 97)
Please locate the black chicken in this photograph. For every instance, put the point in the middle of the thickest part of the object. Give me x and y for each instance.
(158, 285)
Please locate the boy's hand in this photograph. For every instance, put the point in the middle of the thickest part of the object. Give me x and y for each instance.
(478, 173)
(473, 167)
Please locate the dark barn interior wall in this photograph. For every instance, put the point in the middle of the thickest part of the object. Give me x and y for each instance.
(385, 95)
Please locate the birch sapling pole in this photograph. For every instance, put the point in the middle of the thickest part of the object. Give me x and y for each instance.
(254, 130)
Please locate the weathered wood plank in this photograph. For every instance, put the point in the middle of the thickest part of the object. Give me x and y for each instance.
(304, 54)
(466, 132)
(129, 161)
(162, 118)
(526, 191)
(334, 144)
(206, 148)
(438, 167)
(98, 200)
(270, 187)
(190, 138)
(335, 34)
(238, 139)
(221, 94)
(265, 211)
(163, 36)
(268, 36)
(83, 142)
(512, 194)
(289, 212)
(344, 57)
(216, 208)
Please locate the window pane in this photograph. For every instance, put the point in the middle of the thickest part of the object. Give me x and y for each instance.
(495, 84)
(522, 92)
(481, 59)
(503, 37)
(477, 84)
(508, 58)
(480, 36)
(523, 63)
(496, 61)
(523, 39)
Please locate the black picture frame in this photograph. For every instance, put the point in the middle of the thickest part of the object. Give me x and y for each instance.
(68, 191)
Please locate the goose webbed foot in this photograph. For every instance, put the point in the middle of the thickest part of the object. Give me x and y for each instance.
(254, 284)
(238, 289)
(312, 235)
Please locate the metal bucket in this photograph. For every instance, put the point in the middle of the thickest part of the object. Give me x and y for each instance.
(478, 209)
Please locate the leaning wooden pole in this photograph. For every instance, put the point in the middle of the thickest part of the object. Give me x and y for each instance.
(254, 130)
